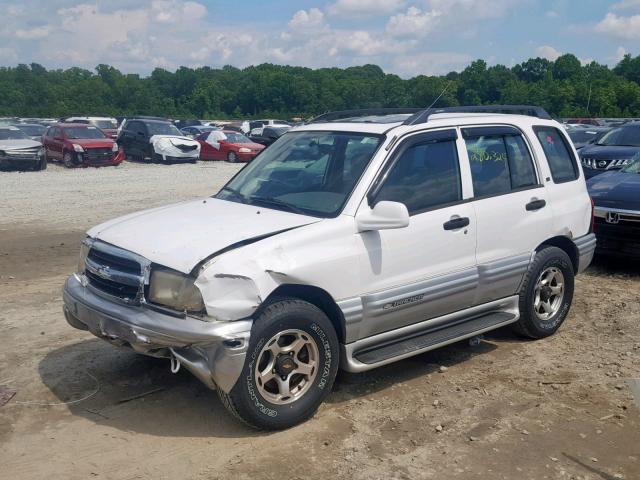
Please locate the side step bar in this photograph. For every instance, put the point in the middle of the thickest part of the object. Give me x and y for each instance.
(433, 339)
(391, 346)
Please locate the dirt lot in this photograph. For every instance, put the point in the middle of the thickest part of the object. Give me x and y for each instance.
(558, 408)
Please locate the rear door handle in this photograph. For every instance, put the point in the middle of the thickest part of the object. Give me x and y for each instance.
(535, 205)
(456, 223)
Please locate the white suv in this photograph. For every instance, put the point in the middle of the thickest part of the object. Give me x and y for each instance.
(356, 240)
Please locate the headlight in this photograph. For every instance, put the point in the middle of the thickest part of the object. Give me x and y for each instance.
(84, 251)
(175, 290)
(114, 149)
(245, 150)
(78, 148)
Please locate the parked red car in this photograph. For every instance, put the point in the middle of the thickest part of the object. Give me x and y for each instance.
(80, 145)
(227, 145)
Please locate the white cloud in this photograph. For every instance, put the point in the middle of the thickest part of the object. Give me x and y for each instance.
(307, 21)
(620, 26)
(414, 22)
(548, 52)
(620, 53)
(33, 33)
(551, 14)
(365, 7)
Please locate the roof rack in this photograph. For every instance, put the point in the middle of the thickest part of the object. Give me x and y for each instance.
(530, 110)
(363, 112)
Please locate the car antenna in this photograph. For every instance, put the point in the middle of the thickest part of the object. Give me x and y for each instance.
(446, 87)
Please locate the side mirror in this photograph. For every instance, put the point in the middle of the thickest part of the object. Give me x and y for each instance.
(383, 216)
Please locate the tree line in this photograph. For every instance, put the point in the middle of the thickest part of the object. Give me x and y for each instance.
(564, 87)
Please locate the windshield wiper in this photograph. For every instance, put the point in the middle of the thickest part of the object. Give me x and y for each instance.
(279, 203)
(236, 193)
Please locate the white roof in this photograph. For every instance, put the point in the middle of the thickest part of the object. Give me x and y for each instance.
(437, 120)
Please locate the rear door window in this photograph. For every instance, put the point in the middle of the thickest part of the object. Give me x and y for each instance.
(500, 161)
(562, 163)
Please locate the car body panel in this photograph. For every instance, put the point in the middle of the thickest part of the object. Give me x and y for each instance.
(198, 229)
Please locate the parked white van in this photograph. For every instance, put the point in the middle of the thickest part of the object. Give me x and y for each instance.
(359, 239)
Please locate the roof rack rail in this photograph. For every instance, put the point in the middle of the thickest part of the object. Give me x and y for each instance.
(363, 112)
(530, 110)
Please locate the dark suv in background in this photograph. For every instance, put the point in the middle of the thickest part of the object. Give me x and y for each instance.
(613, 151)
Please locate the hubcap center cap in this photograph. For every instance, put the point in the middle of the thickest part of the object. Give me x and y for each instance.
(546, 293)
(285, 365)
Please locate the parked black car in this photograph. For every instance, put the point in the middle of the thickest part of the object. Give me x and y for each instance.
(613, 151)
(616, 195)
(269, 135)
(581, 137)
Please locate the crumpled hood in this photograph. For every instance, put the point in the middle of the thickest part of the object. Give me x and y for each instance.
(616, 189)
(170, 145)
(185, 140)
(18, 144)
(181, 235)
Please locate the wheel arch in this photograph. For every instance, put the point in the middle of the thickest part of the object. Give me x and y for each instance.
(565, 244)
(315, 296)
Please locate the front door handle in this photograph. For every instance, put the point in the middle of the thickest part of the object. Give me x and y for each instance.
(535, 205)
(456, 223)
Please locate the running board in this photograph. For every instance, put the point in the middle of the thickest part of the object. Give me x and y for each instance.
(424, 340)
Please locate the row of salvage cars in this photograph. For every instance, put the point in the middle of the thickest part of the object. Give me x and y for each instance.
(96, 142)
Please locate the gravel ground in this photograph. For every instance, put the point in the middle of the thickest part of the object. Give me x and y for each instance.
(558, 408)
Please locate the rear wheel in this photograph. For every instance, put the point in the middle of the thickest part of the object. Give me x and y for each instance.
(232, 157)
(290, 367)
(547, 293)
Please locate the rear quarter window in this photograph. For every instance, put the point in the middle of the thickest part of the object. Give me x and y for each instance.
(562, 162)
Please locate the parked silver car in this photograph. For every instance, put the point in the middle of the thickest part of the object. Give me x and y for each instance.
(18, 151)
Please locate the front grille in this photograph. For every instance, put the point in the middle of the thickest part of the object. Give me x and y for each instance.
(125, 292)
(116, 272)
(600, 164)
(22, 154)
(122, 264)
(99, 154)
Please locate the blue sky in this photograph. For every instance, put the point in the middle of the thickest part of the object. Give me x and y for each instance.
(406, 37)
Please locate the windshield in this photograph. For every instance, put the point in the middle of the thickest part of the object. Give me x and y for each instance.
(311, 173)
(634, 165)
(12, 134)
(585, 136)
(622, 136)
(233, 137)
(158, 128)
(103, 124)
(32, 130)
(83, 132)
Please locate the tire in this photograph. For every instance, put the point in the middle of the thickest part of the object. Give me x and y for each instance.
(42, 164)
(67, 159)
(543, 310)
(232, 157)
(261, 404)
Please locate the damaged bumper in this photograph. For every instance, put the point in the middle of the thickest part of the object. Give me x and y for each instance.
(212, 351)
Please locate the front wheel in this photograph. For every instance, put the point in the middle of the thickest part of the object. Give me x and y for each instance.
(232, 157)
(291, 364)
(546, 294)
(67, 159)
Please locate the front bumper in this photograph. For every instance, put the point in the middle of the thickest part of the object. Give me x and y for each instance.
(213, 351)
(19, 163)
(618, 232)
(246, 157)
